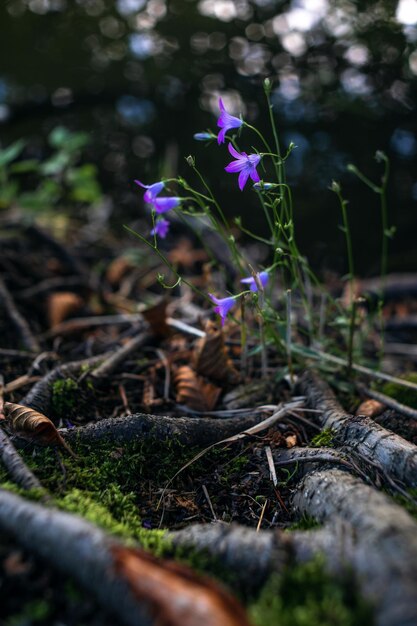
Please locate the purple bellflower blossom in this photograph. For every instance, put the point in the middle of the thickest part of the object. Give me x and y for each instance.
(223, 306)
(161, 205)
(250, 280)
(151, 190)
(161, 228)
(226, 122)
(245, 164)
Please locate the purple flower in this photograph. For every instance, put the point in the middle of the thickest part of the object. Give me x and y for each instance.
(162, 205)
(263, 277)
(151, 190)
(245, 164)
(223, 306)
(161, 228)
(226, 122)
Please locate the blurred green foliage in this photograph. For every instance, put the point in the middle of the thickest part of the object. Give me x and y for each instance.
(60, 179)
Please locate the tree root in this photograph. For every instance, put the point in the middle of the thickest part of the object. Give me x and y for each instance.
(136, 587)
(396, 456)
(188, 430)
(384, 554)
(15, 465)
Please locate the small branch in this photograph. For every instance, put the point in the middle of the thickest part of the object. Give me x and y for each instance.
(15, 465)
(19, 322)
(117, 357)
(389, 402)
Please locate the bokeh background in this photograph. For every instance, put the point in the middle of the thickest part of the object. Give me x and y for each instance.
(141, 77)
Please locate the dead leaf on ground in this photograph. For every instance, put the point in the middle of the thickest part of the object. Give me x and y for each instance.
(211, 358)
(156, 317)
(291, 441)
(193, 391)
(370, 408)
(175, 595)
(30, 424)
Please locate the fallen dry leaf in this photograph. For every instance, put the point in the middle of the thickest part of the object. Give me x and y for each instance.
(117, 269)
(32, 425)
(156, 316)
(211, 358)
(193, 391)
(175, 595)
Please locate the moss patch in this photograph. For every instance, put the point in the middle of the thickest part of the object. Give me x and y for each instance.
(403, 394)
(324, 438)
(306, 596)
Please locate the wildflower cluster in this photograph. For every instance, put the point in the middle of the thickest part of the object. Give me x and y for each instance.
(243, 164)
(159, 205)
(276, 202)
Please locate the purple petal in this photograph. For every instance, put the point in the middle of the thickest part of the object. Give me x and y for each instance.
(162, 205)
(221, 105)
(234, 152)
(223, 306)
(243, 178)
(235, 166)
(161, 228)
(250, 280)
(153, 191)
(221, 137)
(141, 184)
(254, 175)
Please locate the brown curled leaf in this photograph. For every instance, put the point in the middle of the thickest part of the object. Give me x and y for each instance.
(32, 425)
(211, 358)
(175, 595)
(193, 391)
(156, 317)
(118, 269)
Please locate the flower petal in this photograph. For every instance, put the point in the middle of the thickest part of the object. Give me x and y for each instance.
(235, 166)
(234, 152)
(254, 175)
(243, 178)
(221, 137)
(165, 204)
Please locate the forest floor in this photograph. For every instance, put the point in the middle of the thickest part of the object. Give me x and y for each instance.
(155, 473)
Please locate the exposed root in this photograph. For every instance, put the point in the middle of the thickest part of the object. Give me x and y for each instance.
(384, 554)
(396, 456)
(15, 465)
(188, 430)
(28, 339)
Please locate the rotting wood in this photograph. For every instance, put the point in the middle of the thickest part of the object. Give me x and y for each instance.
(396, 456)
(139, 589)
(385, 551)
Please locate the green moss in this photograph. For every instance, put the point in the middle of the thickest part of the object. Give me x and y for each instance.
(31, 612)
(403, 394)
(324, 438)
(406, 503)
(64, 396)
(307, 596)
(304, 523)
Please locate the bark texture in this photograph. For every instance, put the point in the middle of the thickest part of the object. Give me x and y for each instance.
(385, 550)
(188, 430)
(396, 456)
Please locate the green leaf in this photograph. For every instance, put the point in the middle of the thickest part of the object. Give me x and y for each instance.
(11, 152)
